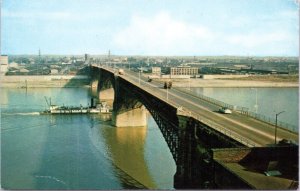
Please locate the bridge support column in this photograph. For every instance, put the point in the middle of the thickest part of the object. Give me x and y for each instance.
(128, 111)
(136, 117)
(184, 176)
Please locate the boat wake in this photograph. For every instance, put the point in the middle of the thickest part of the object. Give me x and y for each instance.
(25, 113)
(53, 178)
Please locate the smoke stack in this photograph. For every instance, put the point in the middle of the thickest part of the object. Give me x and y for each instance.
(92, 102)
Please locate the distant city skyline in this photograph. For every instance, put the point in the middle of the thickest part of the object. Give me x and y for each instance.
(155, 28)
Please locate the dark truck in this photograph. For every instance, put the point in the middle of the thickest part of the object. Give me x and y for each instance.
(168, 85)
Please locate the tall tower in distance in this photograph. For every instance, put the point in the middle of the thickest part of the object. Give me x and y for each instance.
(86, 56)
(38, 62)
(108, 58)
(39, 55)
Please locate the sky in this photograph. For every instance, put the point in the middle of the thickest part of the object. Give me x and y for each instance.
(151, 27)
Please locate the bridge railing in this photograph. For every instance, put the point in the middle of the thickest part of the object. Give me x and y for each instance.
(245, 111)
(219, 128)
(280, 124)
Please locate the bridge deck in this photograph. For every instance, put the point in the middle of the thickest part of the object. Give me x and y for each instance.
(246, 130)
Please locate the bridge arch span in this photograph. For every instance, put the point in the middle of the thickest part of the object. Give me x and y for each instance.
(185, 136)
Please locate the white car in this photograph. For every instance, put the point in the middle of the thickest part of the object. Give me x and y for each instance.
(225, 110)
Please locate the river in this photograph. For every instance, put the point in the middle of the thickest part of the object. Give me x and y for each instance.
(86, 152)
(76, 151)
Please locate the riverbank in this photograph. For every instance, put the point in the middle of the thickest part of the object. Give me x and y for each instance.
(233, 83)
(269, 78)
(82, 81)
(44, 81)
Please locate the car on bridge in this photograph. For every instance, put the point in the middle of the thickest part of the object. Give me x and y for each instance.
(225, 110)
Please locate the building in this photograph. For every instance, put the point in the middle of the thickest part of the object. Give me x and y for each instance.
(184, 71)
(156, 70)
(3, 63)
(86, 57)
(23, 70)
(54, 71)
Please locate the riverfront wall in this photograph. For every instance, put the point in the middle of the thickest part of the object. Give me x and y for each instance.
(44, 81)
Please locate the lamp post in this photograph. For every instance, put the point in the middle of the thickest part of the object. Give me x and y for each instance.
(167, 94)
(277, 114)
(139, 77)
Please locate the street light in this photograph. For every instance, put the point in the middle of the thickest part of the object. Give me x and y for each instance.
(167, 94)
(139, 77)
(276, 126)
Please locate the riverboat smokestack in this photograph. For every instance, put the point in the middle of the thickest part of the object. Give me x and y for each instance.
(92, 102)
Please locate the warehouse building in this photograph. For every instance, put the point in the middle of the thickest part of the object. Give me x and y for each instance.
(184, 71)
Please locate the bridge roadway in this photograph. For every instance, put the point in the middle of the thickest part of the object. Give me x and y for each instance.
(245, 129)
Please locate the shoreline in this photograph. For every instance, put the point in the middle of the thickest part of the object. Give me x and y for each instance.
(55, 81)
(84, 81)
(218, 83)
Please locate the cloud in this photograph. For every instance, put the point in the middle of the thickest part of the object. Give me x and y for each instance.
(289, 14)
(161, 34)
(66, 15)
(37, 15)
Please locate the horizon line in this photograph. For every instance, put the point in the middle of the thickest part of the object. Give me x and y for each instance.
(141, 55)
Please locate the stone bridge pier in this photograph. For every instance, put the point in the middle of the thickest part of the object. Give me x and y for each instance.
(102, 85)
(128, 111)
(131, 104)
(196, 140)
